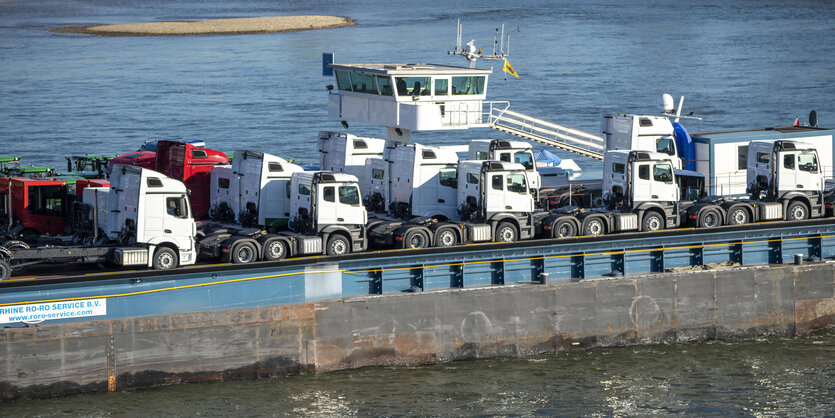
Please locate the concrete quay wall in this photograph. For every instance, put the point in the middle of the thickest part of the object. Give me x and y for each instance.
(414, 328)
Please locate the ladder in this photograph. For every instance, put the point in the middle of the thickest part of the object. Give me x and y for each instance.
(547, 133)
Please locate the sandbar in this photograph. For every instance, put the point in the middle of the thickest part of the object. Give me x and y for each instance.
(234, 26)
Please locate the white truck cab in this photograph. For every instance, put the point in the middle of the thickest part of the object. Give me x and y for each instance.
(519, 152)
(494, 187)
(640, 132)
(148, 208)
(345, 153)
(784, 166)
(257, 191)
(637, 177)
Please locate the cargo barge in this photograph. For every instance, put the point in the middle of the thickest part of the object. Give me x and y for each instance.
(427, 303)
(138, 329)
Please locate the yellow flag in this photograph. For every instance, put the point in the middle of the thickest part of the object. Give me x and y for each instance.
(508, 69)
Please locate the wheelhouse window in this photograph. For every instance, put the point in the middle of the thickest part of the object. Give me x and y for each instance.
(343, 80)
(742, 157)
(441, 86)
(467, 85)
(384, 85)
(413, 86)
(364, 83)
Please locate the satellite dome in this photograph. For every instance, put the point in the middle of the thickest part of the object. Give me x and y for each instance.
(666, 103)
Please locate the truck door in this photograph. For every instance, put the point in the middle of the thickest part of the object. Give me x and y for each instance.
(808, 176)
(787, 172)
(641, 183)
(494, 193)
(663, 187)
(179, 226)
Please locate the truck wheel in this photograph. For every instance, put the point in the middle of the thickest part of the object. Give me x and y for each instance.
(338, 245)
(652, 222)
(416, 240)
(594, 227)
(244, 253)
(505, 232)
(165, 259)
(275, 250)
(446, 238)
(564, 229)
(797, 211)
(5, 270)
(738, 216)
(710, 219)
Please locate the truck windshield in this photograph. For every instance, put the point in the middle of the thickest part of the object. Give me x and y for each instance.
(663, 172)
(525, 158)
(47, 200)
(516, 183)
(665, 145)
(807, 161)
(348, 195)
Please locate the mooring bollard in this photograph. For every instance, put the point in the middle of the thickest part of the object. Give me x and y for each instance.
(798, 259)
(543, 278)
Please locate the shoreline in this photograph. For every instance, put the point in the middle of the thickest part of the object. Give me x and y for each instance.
(234, 26)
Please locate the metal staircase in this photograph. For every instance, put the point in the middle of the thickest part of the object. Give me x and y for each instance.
(547, 133)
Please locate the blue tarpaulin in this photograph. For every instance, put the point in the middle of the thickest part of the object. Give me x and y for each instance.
(547, 157)
(685, 147)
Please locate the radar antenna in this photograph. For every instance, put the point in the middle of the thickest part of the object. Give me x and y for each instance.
(501, 41)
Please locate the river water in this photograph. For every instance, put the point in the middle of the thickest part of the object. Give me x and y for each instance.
(739, 64)
(769, 377)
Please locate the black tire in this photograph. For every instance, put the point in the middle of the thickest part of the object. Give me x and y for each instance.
(652, 222)
(275, 250)
(165, 259)
(416, 240)
(338, 245)
(505, 232)
(244, 253)
(5, 270)
(738, 216)
(710, 219)
(446, 238)
(564, 229)
(15, 245)
(797, 211)
(594, 227)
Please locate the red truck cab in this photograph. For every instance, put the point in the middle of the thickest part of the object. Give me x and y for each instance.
(82, 184)
(193, 166)
(144, 159)
(39, 205)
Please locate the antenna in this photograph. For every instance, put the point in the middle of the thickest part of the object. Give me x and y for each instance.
(501, 40)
